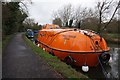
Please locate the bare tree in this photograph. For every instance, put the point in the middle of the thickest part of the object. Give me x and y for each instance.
(29, 22)
(81, 14)
(117, 7)
(23, 5)
(65, 14)
(77, 17)
(57, 21)
(104, 9)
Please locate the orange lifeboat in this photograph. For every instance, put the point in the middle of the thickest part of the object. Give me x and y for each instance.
(74, 46)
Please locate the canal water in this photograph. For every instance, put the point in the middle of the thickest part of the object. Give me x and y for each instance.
(110, 70)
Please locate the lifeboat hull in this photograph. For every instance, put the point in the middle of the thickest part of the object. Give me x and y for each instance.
(76, 47)
(80, 58)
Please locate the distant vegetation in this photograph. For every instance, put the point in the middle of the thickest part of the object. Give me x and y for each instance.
(102, 18)
(112, 38)
(14, 18)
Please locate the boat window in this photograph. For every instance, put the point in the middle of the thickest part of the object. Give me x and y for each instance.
(96, 42)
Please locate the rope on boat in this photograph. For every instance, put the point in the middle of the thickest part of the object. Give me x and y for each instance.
(103, 69)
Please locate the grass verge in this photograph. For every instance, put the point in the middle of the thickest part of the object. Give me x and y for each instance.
(65, 70)
(112, 38)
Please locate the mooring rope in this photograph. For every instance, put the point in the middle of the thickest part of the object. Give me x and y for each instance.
(103, 69)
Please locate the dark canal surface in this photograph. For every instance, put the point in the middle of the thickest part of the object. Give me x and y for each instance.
(111, 70)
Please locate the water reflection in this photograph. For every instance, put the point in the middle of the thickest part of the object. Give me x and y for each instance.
(111, 69)
(114, 65)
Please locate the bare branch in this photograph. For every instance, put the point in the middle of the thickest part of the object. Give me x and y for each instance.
(65, 13)
(112, 16)
(109, 4)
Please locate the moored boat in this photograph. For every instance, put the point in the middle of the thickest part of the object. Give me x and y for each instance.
(74, 46)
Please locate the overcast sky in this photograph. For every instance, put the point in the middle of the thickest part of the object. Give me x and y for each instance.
(41, 10)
